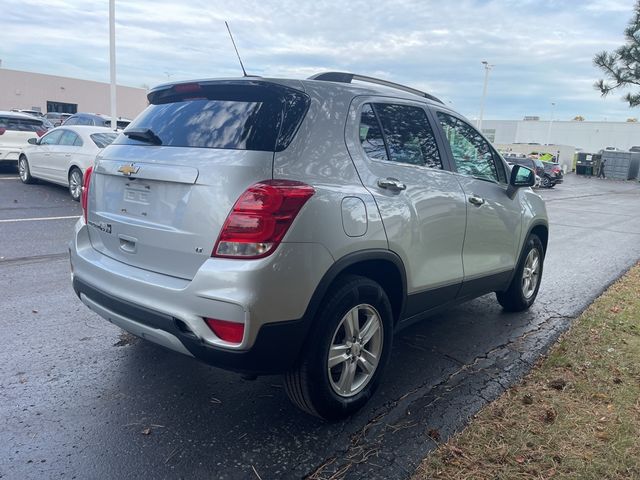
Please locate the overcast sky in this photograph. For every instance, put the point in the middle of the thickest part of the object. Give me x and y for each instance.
(542, 49)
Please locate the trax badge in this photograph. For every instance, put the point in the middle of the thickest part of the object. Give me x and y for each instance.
(128, 169)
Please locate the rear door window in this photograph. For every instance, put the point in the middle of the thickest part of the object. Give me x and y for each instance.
(241, 116)
(371, 137)
(406, 135)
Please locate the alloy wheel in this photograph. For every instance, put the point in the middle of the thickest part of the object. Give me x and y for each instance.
(75, 184)
(355, 350)
(23, 169)
(531, 273)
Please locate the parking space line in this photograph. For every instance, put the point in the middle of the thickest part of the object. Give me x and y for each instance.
(37, 219)
(9, 178)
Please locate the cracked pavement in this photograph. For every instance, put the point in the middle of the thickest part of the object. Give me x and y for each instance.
(75, 405)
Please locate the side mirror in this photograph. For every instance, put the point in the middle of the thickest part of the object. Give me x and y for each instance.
(520, 177)
(33, 141)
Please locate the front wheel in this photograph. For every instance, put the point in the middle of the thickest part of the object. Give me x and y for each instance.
(349, 345)
(523, 289)
(75, 184)
(24, 171)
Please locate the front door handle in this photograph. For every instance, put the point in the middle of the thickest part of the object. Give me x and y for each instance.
(477, 201)
(391, 184)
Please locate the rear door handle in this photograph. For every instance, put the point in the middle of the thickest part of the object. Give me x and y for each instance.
(477, 201)
(390, 183)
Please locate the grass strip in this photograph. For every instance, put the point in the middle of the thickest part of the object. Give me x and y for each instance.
(576, 415)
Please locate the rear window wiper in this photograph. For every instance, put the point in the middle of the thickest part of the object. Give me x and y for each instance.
(144, 135)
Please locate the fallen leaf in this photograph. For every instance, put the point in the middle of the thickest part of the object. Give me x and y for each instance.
(527, 399)
(146, 431)
(520, 459)
(615, 309)
(435, 434)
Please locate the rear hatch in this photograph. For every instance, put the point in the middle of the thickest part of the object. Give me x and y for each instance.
(15, 131)
(162, 191)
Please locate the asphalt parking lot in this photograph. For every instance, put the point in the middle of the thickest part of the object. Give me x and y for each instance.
(80, 400)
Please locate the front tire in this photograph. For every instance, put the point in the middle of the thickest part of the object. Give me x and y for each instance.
(75, 183)
(523, 289)
(24, 170)
(349, 345)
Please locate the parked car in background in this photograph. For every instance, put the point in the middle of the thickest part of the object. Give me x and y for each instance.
(295, 226)
(534, 164)
(95, 119)
(635, 149)
(63, 155)
(57, 118)
(553, 175)
(16, 129)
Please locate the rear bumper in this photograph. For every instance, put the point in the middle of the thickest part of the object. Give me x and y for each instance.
(275, 349)
(269, 296)
(9, 154)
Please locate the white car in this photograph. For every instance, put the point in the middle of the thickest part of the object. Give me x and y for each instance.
(63, 155)
(15, 130)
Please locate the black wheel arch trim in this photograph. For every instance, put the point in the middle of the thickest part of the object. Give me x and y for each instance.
(342, 264)
(534, 224)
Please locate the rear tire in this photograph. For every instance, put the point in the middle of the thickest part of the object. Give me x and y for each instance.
(24, 170)
(349, 345)
(75, 183)
(523, 289)
(545, 182)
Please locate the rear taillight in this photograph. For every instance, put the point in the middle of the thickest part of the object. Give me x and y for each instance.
(231, 332)
(84, 198)
(40, 132)
(2, 130)
(260, 218)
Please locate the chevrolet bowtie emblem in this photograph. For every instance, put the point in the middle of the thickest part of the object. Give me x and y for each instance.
(128, 169)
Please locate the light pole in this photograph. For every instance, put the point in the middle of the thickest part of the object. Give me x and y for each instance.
(553, 107)
(112, 62)
(487, 68)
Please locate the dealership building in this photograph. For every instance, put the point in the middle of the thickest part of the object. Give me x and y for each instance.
(588, 136)
(51, 93)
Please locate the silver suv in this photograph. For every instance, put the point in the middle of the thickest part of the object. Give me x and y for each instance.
(295, 226)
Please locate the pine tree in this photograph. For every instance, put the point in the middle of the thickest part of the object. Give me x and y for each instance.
(622, 66)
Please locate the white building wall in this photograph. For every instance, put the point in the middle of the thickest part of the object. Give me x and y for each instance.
(590, 136)
(25, 90)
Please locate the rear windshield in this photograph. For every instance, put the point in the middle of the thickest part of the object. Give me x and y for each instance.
(21, 124)
(247, 116)
(103, 139)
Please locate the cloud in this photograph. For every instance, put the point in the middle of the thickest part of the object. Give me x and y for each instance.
(542, 49)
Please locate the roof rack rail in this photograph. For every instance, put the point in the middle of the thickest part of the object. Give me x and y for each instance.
(345, 77)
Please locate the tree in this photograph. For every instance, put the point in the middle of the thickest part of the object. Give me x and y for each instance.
(578, 118)
(632, 120)
(622, 66)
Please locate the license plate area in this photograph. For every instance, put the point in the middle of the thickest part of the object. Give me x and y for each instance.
(137, 198)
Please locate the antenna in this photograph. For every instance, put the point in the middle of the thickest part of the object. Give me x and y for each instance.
(236, 49)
